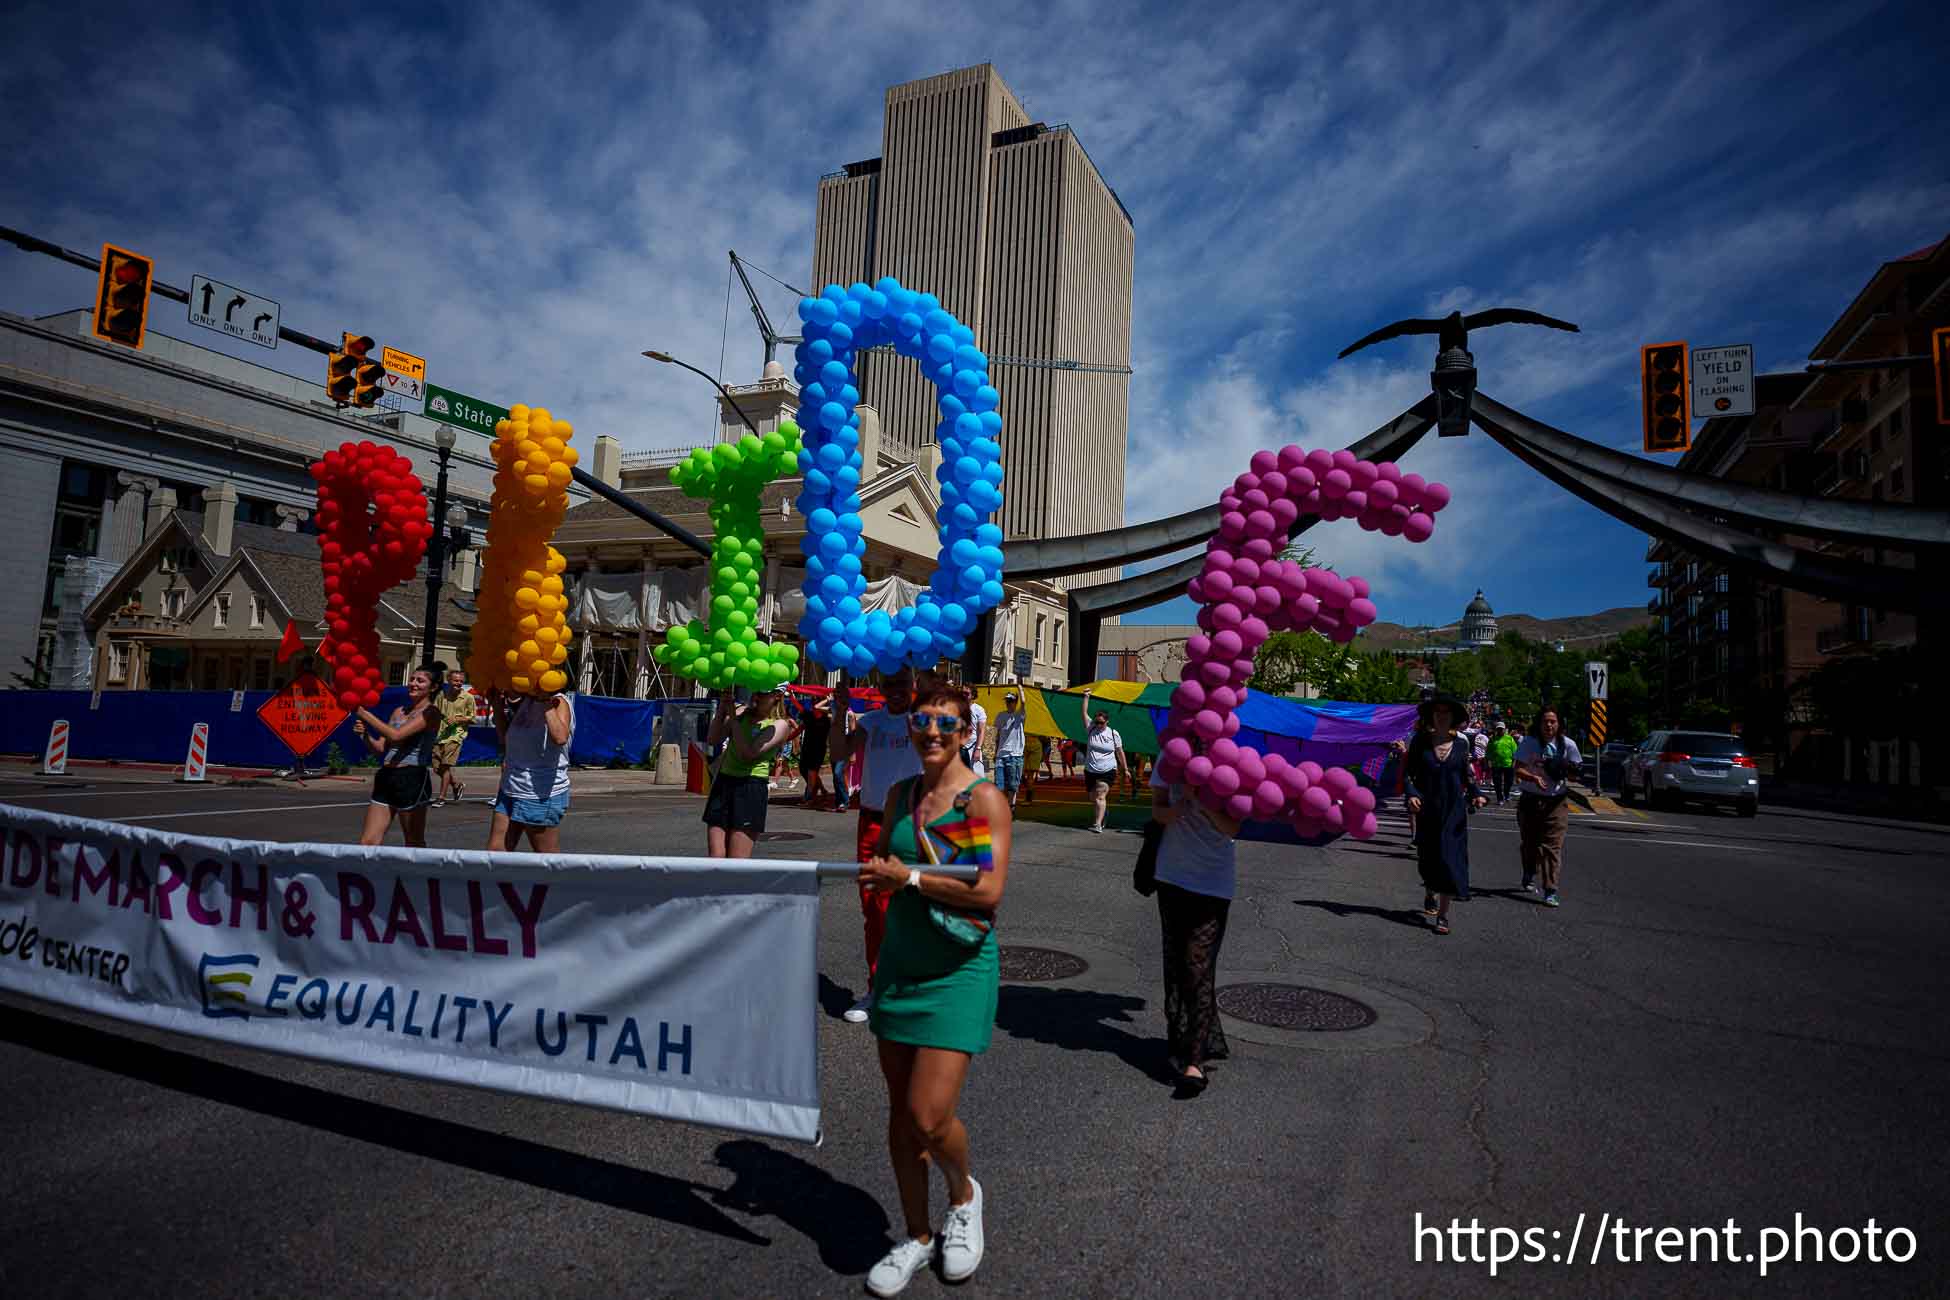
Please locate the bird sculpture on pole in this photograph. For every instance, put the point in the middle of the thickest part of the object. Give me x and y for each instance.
(1452, 331)
(1454, 378)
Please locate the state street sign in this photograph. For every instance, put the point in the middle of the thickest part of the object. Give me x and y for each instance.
(303, 714)
(229, 310)
(449, 407)
(1723, 381)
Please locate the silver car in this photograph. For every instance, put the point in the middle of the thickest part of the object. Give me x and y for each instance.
(1672, 766)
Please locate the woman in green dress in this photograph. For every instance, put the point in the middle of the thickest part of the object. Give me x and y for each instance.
(935, 985)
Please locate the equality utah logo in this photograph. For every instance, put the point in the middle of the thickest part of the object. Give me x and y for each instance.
(224, 983)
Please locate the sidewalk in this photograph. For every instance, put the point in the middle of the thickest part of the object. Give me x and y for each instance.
(1908, 803)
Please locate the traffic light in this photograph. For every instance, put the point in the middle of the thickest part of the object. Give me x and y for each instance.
(352, 377)
(339, 379)
(122, 297)
(367, 373)
(1666, 393)
(1940, 353)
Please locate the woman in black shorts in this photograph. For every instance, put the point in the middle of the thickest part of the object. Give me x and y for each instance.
(734, 811)
(817, 719)
(403, 786)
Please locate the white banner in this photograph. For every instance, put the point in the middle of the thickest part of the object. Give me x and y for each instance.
(683, 988)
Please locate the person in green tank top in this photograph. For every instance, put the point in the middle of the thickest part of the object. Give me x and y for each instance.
(936, 981)
(734, 811)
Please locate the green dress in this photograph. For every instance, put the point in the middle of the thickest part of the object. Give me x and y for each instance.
(929, 990)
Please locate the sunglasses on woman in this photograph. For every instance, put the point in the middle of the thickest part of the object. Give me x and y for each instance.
(946, 724)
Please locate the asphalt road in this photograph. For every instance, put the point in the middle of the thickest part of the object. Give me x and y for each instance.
(1727, 1020)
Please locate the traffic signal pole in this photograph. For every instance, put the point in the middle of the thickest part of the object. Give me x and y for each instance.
(28, 244)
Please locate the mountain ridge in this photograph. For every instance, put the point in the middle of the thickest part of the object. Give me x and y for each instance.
(1586, 629)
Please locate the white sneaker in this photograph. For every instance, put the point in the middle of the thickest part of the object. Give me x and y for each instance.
(857, 1015)
(892, 1274)
(961, 1238)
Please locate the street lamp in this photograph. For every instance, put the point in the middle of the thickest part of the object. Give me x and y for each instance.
(669, 360)
(444, 438)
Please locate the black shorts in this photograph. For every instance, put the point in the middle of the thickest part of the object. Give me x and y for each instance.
(1091, 780)
(404, 787)
(738, 803)
(812, 760)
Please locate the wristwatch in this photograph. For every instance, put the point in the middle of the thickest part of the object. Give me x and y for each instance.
(914, 878)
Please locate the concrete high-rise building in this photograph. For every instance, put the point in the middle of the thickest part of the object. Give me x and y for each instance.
(1008, 222)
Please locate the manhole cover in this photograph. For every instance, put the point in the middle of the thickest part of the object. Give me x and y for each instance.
(1294, 1006)
(773, 836)
(1035, 965)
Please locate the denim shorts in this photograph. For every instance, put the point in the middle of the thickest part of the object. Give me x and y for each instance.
(533, 812)
(1008, 771)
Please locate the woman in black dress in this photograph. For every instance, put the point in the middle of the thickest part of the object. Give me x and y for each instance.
(1441, 793)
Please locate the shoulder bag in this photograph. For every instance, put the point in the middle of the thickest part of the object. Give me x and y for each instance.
(966, 929)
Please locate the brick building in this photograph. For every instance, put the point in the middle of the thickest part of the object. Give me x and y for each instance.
(1742, 649)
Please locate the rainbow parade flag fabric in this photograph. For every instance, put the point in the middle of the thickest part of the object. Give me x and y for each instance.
(971, 841)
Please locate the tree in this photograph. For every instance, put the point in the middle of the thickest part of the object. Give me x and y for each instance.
(1289, 661)
(1460, 674)
(1380, 679)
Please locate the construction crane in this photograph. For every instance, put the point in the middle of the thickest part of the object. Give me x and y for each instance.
(773, 338)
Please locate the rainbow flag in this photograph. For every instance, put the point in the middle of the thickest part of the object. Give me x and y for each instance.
(968, 836)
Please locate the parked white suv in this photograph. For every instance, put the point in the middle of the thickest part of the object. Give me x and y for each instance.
(1713, 766)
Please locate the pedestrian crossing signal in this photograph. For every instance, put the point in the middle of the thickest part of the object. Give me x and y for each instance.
(122, 296)
(1666, 395)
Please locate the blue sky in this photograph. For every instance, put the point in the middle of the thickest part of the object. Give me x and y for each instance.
(530, 197)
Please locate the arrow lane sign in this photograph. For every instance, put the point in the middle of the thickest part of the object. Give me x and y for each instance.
(240, 305)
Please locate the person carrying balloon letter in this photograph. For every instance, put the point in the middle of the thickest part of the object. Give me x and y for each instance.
(734, 811)
(937, 980)
(403, 786)
(880, 739)
(1442, 792)
(1195, 876)
(535, 733)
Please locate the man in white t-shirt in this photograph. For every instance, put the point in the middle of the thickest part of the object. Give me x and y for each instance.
(1010, 735)
(890, 757)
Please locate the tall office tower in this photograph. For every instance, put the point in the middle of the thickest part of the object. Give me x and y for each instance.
(1007, 222)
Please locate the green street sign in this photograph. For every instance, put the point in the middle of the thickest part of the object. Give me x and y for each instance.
(449, 407)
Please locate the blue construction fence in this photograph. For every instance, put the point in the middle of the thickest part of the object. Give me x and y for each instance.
(154, 727)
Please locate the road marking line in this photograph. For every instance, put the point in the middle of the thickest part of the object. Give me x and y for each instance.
(1640, 837)
(234, 812)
